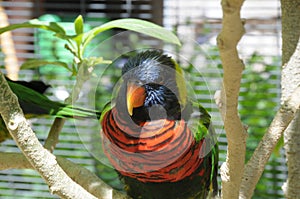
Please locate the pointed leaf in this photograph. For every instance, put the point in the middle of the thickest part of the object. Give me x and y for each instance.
(137, 25)
(78, 23)
(35, 23)
(35, 63)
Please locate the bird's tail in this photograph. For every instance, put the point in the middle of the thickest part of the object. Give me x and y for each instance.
(34, 103)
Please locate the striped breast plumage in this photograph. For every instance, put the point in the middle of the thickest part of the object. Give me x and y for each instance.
(161, 148)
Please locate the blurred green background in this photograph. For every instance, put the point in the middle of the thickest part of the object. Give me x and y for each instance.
(197, 28)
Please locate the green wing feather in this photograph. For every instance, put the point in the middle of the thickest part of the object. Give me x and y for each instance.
(192, 108)
(200, 124)
(202, 128)
(105, 109)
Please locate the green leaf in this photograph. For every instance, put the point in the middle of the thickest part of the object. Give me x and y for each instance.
(78, 23)
(35, 23)
(137, 25)
(35, 63)
(55, 27)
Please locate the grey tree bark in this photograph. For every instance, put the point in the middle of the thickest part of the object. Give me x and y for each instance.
(289, 81)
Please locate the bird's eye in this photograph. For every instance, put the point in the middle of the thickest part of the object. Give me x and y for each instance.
(136, 82)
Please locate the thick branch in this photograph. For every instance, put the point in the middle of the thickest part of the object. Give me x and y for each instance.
(291, 187)
(262, 153)
(289, 81)
(80, 175)
(41, 159)
(232, 31)
(290, 28)
(291, 73)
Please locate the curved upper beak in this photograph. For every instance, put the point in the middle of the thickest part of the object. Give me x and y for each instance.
(135, 96)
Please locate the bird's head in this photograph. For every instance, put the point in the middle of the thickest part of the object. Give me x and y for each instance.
(151, 87)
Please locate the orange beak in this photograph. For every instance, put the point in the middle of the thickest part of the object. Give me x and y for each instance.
(136, 95)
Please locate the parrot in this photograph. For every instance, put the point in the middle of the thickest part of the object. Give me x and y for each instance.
(35, 104)
(160, 141)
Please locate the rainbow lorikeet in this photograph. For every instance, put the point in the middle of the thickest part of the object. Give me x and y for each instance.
(34, 104)
(159, 140)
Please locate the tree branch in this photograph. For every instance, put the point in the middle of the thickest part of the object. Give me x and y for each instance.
(53, 135)
(80, 175)
(41, 159)
(262, 153)
(291, 187)
(290, 79)
(231, 33)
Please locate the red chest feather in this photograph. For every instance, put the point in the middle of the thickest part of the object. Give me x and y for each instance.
(157, 151)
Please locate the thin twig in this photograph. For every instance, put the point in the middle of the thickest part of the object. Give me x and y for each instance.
(53, 136)
(262, 153)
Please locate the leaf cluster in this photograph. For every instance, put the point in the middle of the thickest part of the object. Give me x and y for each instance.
(78, 42)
